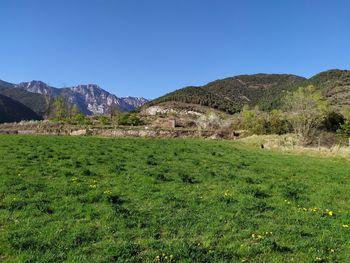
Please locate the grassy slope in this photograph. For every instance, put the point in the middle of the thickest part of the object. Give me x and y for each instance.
(131, 200)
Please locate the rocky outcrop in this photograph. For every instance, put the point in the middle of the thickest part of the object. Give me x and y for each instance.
(158, 109)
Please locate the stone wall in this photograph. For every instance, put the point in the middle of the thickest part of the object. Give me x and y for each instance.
(145, 132)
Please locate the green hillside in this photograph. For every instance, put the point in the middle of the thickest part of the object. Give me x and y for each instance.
(14, 111)
(259, 89)
(334, 85)
(196, 95)
(36, 102)
(231, 94)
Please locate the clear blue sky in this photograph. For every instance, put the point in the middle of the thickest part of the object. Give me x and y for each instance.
(150, 47)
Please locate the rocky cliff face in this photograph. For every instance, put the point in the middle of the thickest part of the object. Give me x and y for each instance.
(91, 99)
(37, 86)
(135, 102)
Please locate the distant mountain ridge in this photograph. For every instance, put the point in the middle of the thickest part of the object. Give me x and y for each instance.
(91, 99)
(36, 102)
(229, 94)
(14, 111)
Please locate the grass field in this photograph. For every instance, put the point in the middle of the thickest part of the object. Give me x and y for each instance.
(65, 199)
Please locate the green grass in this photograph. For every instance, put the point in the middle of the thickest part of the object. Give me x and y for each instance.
(65, 199)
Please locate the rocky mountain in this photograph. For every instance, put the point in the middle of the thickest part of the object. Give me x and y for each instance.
(135, 102)
(231, 94)
(91, 99)
(14, 111)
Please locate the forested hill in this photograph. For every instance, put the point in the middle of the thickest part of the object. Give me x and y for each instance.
(36, 102)
(197, 95)
(14, 111)
(334, 86)
(231, 94)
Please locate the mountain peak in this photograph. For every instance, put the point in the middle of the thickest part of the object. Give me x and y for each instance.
(90, 98)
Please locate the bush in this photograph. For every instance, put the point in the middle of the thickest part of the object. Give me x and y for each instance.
(80, 118)
(344, 130)
(333, 121)
(129, 119)
(104, 120)
(278, 123)
(258, 122)
(209, 121)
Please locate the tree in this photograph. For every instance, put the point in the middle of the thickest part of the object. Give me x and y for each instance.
(277, 122)
(75, 111)
(306, 110)
(332, 121)
(61, 108)
(209, 121)
(77, 116)
(113, 111)
(260, 122)
(346, 113)
(344, 130)
(49, 105)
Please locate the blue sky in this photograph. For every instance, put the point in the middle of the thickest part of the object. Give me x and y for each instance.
(148, 48)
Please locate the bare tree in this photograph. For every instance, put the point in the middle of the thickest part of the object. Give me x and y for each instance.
(113, 111)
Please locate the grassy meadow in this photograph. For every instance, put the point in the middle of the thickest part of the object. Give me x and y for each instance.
(85, 199)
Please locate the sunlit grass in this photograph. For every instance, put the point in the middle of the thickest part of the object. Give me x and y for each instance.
(138, 200)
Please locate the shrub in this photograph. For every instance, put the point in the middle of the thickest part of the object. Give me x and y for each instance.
(259, 122)
(344, 130)
(80, 118)
(210, 121)
(104, 120)
(129, 119)
(333, 121)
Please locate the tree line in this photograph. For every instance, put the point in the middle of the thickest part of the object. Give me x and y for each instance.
(63, 111)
